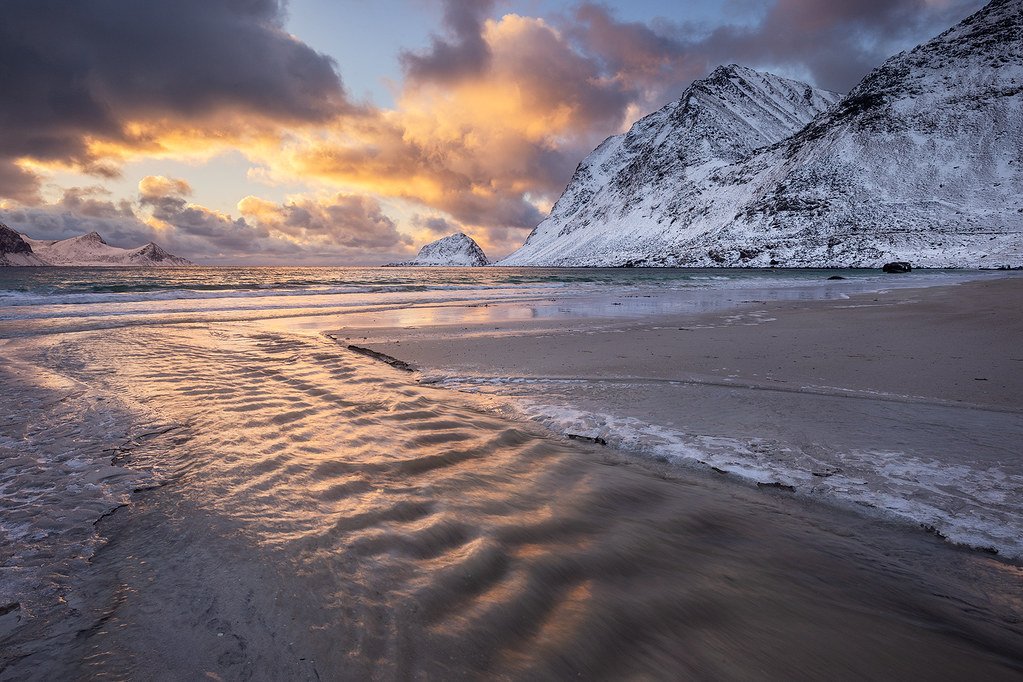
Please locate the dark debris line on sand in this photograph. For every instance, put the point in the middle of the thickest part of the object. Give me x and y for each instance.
(376, 355)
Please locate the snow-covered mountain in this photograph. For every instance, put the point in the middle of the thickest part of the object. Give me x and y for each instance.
(457, 249)
(86, 250)
(629, 198)
(920, 162)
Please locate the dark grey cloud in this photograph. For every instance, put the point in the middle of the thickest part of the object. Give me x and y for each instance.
(836, 43)
(465, 53)
(79, 211)
(72, 69)
(436, 225)
(17, 183)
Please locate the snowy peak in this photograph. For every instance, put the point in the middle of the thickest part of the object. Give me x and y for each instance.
(91, 238)
(717, 121)
(456, 250)
(154, 254)
(736, 110)
(90, 250)
(981, 56)
(920, 162)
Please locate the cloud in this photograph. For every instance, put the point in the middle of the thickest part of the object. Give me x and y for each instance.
(491, 122)
(437, 226)
(334, 229)
(833, 43)
(467, 54)
(18, 183)
(344, 220)
(94, 75)
(488, 125)
(489, 147)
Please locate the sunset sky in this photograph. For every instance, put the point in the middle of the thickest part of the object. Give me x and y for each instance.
(353, 132)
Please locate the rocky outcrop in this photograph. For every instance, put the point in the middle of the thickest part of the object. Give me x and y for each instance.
(456, 250)
(14, 250)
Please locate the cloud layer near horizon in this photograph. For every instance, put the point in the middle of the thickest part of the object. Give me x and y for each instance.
(490, 120)
(306, 230)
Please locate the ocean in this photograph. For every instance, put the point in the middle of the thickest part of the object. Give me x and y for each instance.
(199, 481)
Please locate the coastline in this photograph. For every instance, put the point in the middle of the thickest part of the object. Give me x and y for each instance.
(295, 510)
(906, 403)
(955, 344)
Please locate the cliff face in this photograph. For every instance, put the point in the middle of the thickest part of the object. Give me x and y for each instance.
(14, 250)
(920, 162)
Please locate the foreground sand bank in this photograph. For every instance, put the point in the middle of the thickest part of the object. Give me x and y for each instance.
(246, 500)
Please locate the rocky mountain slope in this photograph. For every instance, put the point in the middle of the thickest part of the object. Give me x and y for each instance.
(457, 249)
(86, 250)
(14, 250)
(625, 199)
(920, 162)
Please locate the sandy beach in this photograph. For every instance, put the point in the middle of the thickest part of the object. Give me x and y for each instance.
(871, 400)
(248, 499)
(956, 344)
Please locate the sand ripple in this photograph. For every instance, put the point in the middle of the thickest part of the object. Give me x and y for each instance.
(329, 519)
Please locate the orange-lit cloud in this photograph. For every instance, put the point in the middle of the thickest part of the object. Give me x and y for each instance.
(489, 123)
(485, 147)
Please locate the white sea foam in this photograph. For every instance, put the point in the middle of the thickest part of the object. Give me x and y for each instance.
(965, 503)
(969, 506)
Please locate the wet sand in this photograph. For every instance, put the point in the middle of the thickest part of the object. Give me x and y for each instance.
(955, 344)
(908, 402)
(320, 515)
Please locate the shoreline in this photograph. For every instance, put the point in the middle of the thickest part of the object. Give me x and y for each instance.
(878, 398)
(911, 342)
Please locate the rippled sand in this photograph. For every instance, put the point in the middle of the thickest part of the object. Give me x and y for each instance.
(313, 514)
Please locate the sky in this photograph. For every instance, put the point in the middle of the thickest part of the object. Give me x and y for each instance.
(352, 132)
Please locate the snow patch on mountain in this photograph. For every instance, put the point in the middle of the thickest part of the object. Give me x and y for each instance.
(920, 162)
(456, 250)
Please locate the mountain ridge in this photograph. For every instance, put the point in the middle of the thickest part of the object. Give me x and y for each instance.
(84, 250)
(920, 161)
(716, 121)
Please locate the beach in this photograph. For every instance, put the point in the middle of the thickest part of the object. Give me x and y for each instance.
(937, 344)
(761, 481)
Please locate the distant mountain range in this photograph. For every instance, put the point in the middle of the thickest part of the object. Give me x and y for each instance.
(87, 250)
(921, 162)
